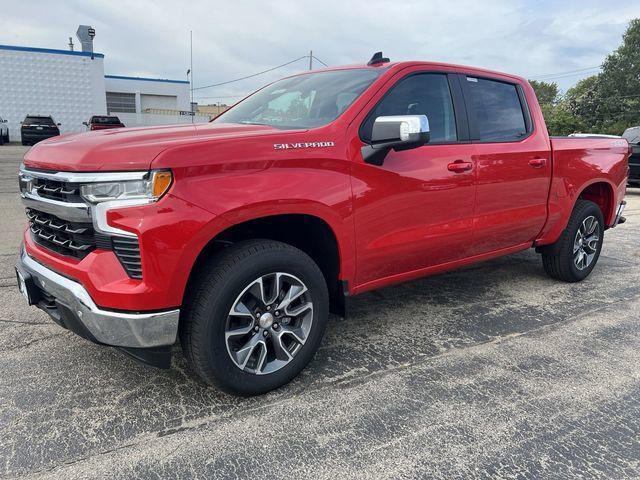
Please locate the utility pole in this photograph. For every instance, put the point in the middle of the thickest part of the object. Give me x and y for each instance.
(310, 59)
(191, 102)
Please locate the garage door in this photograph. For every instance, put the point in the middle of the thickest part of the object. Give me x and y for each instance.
(169, 102)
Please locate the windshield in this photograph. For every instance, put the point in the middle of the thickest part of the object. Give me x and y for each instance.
(305, 101)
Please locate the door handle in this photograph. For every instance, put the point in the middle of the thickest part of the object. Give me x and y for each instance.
(459, 166)
(538, 162)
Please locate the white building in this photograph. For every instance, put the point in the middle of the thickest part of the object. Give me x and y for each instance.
(148, 101)
(71, 86)
(68, 85)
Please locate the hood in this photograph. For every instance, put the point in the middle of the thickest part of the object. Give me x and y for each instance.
(128, 148)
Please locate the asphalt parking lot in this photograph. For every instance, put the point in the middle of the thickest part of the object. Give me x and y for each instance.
(491, 371)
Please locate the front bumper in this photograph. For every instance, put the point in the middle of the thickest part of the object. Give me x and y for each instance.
(71, 306)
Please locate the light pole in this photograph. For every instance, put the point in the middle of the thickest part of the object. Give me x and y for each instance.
(191, 82)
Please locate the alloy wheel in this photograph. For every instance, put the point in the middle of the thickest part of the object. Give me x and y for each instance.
(585, 244)
(268, 323)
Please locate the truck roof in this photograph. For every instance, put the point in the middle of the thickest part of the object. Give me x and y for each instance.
(396, 66)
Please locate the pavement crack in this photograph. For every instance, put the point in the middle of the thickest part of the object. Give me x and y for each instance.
(32, 342)
(24, 323)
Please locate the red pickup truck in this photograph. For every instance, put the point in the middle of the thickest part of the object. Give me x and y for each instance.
(240, 236)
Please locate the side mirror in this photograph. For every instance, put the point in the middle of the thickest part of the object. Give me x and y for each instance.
(86, 124)
(397, 132)
(58, 124)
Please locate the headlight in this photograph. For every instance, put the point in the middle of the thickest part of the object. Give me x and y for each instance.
(151, 189)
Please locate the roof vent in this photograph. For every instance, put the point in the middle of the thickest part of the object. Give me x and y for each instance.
(85, 34)
(377, 60)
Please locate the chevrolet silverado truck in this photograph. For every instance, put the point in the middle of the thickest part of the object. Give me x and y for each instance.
(239, 236)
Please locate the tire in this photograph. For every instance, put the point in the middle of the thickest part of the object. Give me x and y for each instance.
(560, 261)
(228, 280)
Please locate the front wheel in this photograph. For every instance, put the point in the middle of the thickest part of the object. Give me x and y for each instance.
(256, 317)
(576, 252)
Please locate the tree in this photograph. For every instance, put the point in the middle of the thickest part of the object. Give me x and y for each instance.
(610, 101)
(547, 92)
(583, 101)
(561, 121)
(605, 103)
(619, 83)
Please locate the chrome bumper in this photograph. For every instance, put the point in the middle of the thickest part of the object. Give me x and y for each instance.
(120, 329)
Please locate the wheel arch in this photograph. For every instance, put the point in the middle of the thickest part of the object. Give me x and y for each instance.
(310, 233)
(602, 193)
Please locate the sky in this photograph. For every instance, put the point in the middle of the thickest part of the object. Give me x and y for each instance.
(560, 41)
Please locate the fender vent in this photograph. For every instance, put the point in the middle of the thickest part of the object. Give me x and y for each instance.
(128, 252)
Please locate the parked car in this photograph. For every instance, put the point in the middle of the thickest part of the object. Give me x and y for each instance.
(4, 131)
(239, 236)
(103, 122)
(632, 135)
(38, 127)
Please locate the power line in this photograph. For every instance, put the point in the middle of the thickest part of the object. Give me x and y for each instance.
(252, 75)
(546, 79)
(320, 61)
(560, 74)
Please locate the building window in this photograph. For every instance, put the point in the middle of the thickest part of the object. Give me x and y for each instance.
(121, 102)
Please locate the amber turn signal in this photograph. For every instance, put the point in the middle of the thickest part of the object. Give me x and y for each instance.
(161, 182)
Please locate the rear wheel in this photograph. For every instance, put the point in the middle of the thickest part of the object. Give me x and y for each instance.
(575, 254)
(256, 317)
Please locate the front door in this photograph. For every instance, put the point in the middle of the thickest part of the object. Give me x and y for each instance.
(416, 210)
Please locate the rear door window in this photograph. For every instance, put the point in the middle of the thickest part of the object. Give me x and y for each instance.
(496, 109)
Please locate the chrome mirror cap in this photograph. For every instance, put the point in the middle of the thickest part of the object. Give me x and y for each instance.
(399, 127)
(395, 132)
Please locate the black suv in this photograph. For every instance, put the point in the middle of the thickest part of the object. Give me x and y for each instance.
(633, 137)
(38, 127)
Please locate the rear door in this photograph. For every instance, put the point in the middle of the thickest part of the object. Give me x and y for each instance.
(513, 161)
(416, 210)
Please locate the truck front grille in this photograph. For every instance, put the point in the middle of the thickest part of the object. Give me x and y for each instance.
(78, 239)
(57, 190)
(61, 236)
(45, 198)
